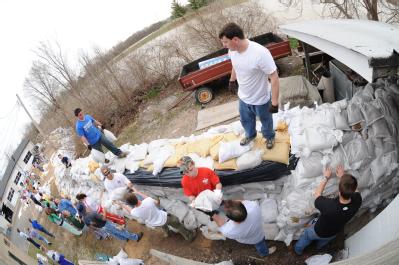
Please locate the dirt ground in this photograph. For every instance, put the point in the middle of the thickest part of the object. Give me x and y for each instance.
(155, 120)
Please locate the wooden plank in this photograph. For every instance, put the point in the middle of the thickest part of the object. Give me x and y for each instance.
(215, 115)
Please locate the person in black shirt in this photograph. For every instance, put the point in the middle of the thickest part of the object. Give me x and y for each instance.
(334, 213)
(65, 160)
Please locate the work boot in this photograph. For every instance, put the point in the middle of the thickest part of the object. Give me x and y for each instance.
(269, 143)
(246, 140)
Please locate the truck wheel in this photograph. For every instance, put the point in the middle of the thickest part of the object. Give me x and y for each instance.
(204, 95)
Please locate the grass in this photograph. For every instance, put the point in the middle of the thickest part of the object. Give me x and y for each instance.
(293, 43)
(153, 92)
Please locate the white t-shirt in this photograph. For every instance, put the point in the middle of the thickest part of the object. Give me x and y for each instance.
(149, 213)
(91, 204)
(252, 68)
(250, 231)
(23, 235)
(118, 181)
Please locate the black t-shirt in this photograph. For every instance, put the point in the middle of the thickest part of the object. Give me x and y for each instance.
(334, 215)
(94, 219)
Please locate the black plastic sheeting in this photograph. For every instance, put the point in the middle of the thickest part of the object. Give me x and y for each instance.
(171, 177)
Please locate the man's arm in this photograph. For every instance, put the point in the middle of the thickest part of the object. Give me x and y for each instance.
(275, 83)
(327, 175)
(84, 140)
(218, 186)
(233, 76)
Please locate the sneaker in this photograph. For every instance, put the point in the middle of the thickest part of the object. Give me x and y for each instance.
(269, 143)
(272, 250)
(246, 140)
(122, 155)
(140, 235)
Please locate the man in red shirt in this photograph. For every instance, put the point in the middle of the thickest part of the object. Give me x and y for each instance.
(195, 180)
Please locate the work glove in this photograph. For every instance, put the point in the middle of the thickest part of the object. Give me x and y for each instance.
(89, 147)
(273, 109)
(233, 87)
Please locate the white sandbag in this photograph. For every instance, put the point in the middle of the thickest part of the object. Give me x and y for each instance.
(364, 178)
(250, 159)
(271, 231)
(208, 200)
(109, 135)
(341, 121)
(99, 174)
(190, 221)
(371, 112)
(285, 237)
(269, 210)
(219, 129)
(125, 147)
(339, 158)
(340, 105)
(162, 155)
(130, 262)
(310, 167)
(97, 156)
(357, 153)
(354, 113)
(138, 152)
(208, 234)
(319, 259)
(380, 129)
(156, 144)
(132, 166)
(200, 161)
(175, 207)
(318, 139)
(229, 150)
(384, 165)
(119, 165)
(237, 128)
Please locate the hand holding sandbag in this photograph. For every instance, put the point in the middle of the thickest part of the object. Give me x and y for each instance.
(273, 109)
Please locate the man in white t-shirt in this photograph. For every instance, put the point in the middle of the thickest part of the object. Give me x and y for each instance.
(147, 210)
(244, 225)
(115, 180)
(253, 67)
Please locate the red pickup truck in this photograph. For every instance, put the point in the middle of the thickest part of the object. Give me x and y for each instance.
(204, 80)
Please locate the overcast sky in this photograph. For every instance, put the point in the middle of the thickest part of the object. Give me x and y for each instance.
(76, 25)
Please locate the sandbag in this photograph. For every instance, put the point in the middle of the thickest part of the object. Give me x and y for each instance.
(319, 259)
(208, 201)
(341, 121)
(371, 112)
(357, 153)
(109, 135)
(229, 150)
(97, 156)
(250, 159)
(269, 210)
(270, 230)
(354, 113)
(380, 129)
(310, 167)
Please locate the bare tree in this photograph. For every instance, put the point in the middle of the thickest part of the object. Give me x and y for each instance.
(41, 86)
(377, 10)
(203, 30)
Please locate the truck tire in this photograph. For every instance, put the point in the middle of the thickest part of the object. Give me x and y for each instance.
(204, 95)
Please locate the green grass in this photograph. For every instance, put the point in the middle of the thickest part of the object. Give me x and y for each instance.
(293, 43)
(153, 92)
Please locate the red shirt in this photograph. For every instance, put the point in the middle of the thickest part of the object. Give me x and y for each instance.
(206, 179)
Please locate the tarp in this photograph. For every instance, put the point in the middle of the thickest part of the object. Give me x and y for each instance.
(171, 177)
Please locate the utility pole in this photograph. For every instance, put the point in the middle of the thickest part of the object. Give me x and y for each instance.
(33, 121)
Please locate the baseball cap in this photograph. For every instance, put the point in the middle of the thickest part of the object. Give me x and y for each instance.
(184, 163)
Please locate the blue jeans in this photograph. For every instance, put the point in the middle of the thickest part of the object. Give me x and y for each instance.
(262, 248)
(307, 237)
(248, 115)
(111, 229)
(108, 144)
